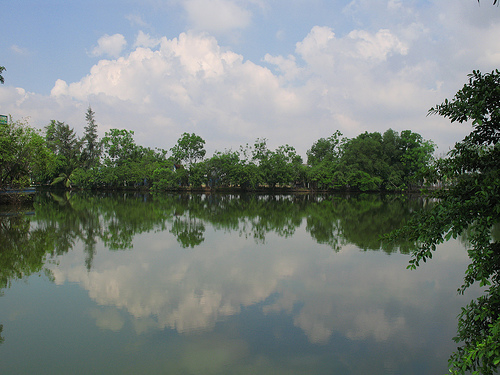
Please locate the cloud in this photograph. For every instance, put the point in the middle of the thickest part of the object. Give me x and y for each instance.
(111, 45)
(216, 16)
(136, 20)
(163, 286)
(19, 50)
(145, 40)
(377, 46)
(371, 77)
(322, 50)
(193, 82)
(287, 66)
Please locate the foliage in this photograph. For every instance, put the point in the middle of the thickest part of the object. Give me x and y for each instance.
(280, 166)
(189, 149)
(23, 249)
(198, 175)
(127, 164)
(23, 155)
(471, 203)
(323, 161)
(119, 147)
(92, 147)
(391, 161)
(326, 150)
(65, 145)
(65, 179)
(369, 162)
(166, 178)
(2, 68)
(416, 156)
(223, 169)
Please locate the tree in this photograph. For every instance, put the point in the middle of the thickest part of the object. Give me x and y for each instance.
(323, 159)
(364, 162)
(471, 205)
(2, 68)
(23, 155)
(119, 146)
(189, 149)
(328, 149)
(281, 166)
(222, 169)
(92, 147)
(63, 142)
(416, 156)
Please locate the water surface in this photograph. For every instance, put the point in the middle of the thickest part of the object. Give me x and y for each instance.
(221, 284)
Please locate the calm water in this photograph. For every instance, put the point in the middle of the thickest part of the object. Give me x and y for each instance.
(178, 284)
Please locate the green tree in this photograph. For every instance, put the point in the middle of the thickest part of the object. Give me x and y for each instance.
(92, 147)
(63, 142)
(23, 155)
(325, 149)
(281, 166)
(127, 164)
(247, 171)
(364, 163)
(392, 146)
(470, 204)
(416, 156)
(119, 146)
(2, 68)
(189, 149)
(284, 166)
(223, 169)
(323, 161)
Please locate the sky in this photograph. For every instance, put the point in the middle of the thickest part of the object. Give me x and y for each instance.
(232, 71)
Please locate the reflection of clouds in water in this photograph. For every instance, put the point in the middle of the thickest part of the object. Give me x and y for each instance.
(375, 323)
(212, 355)
(186, 290)
(350, 292)
(108, 319)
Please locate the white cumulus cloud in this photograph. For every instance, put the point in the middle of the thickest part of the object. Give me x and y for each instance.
(145, 40)
(111, 45)
(216, 15)
(371, 76)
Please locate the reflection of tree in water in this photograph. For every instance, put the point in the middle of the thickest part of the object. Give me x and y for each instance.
(189, 231)
(331, 220)
(61, 221)
(23, 249)
(90, 218)
(324, 225)
(365, 218)
(115, 219)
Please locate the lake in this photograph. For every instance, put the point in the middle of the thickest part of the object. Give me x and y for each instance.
(222, 284)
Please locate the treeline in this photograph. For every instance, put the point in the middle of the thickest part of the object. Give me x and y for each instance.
(56, 156)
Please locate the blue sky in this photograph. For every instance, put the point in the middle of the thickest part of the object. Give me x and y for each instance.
(232, 71)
